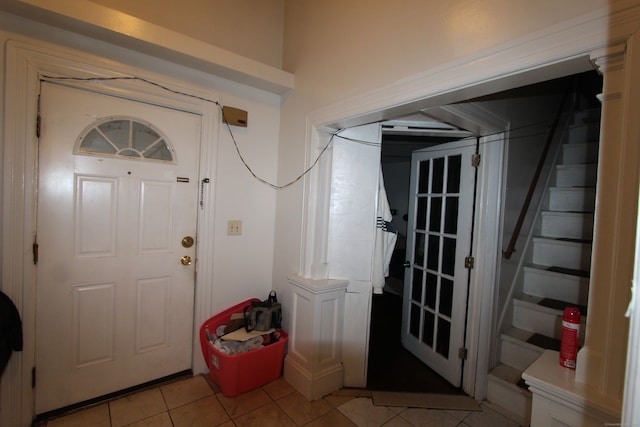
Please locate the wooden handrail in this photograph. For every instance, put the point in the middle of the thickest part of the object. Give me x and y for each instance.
(534, 182)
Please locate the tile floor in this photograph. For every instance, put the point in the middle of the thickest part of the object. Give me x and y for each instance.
(196, 402)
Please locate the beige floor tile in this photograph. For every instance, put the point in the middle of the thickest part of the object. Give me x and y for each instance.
(488, 418)
(458, 415)
(160, 420)
(301, 410)
(354, 392)
(185, 391)
(245, 402)
(336, 401)
(428, 417)
(278, 388)
(93, 416)
(397, 421)
(333, 418)
(205, 412)
(270, 415)
(362, 411)
(136, 407)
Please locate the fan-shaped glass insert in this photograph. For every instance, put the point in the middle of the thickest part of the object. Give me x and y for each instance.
(124, 137)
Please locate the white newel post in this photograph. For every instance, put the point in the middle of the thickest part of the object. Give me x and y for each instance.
(592, 394)
(313, 365)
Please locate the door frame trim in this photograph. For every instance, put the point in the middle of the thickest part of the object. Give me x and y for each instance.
(25, 63)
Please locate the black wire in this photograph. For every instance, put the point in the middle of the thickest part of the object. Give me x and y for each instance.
(233, 138)
(45, 77)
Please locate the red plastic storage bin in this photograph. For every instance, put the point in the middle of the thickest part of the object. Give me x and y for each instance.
(238, 373)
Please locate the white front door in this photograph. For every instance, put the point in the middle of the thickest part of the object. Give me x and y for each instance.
(438, 240)
(114, 301)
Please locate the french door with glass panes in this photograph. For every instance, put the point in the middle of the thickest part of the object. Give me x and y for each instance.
(438, 241)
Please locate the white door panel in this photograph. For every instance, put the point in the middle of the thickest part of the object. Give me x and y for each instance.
(114, 302)
(439, 238)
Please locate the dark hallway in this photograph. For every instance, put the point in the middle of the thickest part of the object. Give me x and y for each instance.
(391, 366)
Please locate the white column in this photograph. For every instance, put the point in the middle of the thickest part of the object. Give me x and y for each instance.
(313, 365)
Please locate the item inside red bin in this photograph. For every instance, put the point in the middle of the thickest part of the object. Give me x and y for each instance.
(238, 373)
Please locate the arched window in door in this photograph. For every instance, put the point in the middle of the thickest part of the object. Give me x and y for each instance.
(125, 137)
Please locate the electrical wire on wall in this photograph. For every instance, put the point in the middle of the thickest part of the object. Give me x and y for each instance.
(44, 78)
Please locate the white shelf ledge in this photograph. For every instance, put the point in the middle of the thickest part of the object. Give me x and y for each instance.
(558, 396)
(109, 25)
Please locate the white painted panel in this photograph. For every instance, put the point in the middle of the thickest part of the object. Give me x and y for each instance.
(328, 330)
(352, 210)
(93, 322)
(152, 313)
(356, 337)
(300, 345)
(96, 205)
(156, 213)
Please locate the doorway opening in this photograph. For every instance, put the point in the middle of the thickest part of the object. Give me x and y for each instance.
(390, 366)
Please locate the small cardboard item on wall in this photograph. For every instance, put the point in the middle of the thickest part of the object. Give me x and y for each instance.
(234, 116)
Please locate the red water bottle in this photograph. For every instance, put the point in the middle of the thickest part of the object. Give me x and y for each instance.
(570, 333)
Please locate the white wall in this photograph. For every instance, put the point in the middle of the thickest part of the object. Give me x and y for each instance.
(251, 28)
(339, 50)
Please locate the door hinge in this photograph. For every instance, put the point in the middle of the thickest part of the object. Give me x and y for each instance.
(469, 262)
(36, 252)
(475, 160)
(462, 353)
(33, 377)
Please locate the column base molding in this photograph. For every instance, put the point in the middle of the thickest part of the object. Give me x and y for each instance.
(313, 386)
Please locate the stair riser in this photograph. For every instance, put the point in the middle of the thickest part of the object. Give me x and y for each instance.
(514, 400)
(582, 133)
(562, 254)
(576, 176)
(572, 289)
(572, 200)
(588, 116)
(541, 321)
(578, 226)
(517, 355)
(573, 154)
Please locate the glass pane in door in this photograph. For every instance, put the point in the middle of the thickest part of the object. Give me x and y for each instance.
(435, 251)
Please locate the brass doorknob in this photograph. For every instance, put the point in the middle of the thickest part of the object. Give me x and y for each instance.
(185, 260)
(187, 241)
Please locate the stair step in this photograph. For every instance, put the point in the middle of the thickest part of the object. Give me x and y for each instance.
(542, 316)
(583, 175)
(571, 225)
(587, 115)
(543, 342)
(564, 253)
(574, 199)
(516, 351)
(503, 390)
(541, 281)
(585, 131)
(573, 154)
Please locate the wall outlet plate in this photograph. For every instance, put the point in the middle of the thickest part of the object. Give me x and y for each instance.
(234, 227)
